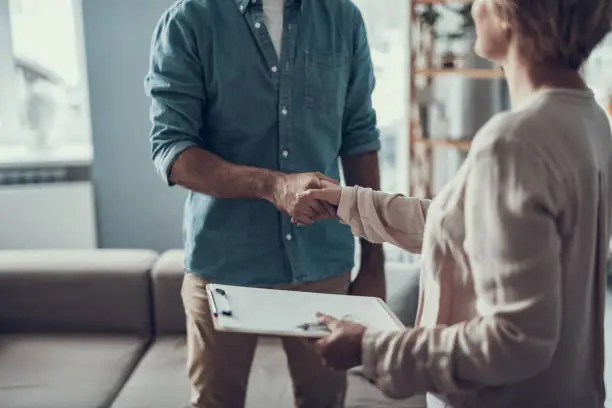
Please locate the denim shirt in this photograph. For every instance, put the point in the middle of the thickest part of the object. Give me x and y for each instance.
(216, 82)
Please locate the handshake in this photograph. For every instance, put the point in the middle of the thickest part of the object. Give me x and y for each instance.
(306, 197)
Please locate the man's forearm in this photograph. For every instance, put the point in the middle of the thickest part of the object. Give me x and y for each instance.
(363, 170)
(200, 170)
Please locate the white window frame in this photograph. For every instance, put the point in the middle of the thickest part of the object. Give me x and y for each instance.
(9, 102)
(9, 121)
(401, 148)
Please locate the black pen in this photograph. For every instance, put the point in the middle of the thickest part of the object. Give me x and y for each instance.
(226, 312)
(313, 326)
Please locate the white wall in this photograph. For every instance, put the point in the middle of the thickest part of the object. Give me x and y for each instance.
(134, 208)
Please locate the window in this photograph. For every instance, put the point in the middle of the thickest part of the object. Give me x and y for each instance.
(387, 34)
(598, 74)
(42, 65)
(386, 28)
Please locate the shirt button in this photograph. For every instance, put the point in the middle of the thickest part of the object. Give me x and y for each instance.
(284, 111)
(285, 153)
(258, 25)
(288, 237)
(274, 68)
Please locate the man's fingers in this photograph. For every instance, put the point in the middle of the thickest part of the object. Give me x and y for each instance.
(331, 210)
(304, 217)
(323, 178)
(319, 209)
(328, 184)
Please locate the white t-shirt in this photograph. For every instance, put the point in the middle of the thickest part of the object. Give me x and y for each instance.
(273, 17)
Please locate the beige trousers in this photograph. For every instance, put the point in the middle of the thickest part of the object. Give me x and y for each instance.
(219, 363)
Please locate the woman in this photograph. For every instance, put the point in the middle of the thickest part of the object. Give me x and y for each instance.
(514, 247)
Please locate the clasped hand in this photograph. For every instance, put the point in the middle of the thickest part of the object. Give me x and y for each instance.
(305, 197)
(317, 204)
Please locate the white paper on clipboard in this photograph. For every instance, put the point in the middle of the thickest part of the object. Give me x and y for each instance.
(276, 312)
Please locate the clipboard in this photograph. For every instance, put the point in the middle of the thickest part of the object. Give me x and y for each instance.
(287, 313)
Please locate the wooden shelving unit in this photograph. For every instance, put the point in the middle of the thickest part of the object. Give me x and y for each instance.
(425, 72)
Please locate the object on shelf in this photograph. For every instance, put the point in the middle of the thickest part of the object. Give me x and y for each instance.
(431, 110)
(429, 16)
(472, 101)
(453, 92)
(448, 60)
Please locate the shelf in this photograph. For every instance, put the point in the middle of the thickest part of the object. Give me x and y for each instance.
(458, 144)
(477, 73)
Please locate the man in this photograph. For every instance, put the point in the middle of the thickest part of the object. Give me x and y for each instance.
(254, 102)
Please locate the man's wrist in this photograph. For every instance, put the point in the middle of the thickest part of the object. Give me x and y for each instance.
(372, 252)
(271, 183)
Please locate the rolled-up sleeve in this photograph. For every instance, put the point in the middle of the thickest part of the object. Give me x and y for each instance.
(360, 133)
(175, 85)
(513, 247)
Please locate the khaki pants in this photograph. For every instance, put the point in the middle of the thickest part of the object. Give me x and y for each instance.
(219, 363)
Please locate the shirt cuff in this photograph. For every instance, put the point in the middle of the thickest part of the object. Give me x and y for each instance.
(368, 147)
(165, 161)
(348, 197)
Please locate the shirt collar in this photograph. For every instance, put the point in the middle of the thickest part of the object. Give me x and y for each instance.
(243, 5)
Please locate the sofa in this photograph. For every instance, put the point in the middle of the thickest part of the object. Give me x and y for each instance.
(106, 328)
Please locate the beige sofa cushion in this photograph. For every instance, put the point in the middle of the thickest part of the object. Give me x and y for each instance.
(160, 381)
(64, 372)
(167, 278)
(76, 291)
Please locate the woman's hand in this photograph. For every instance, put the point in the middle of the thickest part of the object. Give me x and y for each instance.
(317, 204)
(341, 350)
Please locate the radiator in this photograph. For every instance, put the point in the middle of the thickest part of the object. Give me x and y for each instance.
(50, 208)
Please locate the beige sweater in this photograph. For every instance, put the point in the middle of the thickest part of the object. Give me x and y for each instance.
(513, 264)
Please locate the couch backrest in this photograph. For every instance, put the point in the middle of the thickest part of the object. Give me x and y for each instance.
(76, 291)
(167, 278)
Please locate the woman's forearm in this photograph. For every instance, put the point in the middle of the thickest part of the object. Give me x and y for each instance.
(380, 217)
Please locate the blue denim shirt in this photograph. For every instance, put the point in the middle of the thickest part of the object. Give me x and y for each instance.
(216, 82)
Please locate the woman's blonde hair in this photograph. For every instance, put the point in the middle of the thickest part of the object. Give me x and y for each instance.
(556, 31)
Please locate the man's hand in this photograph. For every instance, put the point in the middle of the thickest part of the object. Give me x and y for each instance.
(371, 278)
(285, 195)
(341, 350)
(309, 201)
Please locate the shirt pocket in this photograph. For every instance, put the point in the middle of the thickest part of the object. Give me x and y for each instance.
(325, 82)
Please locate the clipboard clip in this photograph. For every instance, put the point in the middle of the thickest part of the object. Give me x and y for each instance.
(225, 312)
